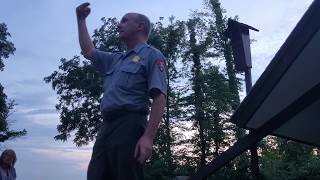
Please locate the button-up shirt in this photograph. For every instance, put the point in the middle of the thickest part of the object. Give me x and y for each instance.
(129, 77)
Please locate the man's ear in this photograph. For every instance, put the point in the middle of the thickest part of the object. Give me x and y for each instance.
(141, 25)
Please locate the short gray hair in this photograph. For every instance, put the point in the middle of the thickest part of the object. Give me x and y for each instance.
(147, 23)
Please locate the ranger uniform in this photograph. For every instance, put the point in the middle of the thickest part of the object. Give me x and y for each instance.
(128, 79)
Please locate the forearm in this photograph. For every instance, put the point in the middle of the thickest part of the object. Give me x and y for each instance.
(157, 109)
(84, 38)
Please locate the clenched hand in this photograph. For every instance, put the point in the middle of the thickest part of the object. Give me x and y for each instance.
(83, 10)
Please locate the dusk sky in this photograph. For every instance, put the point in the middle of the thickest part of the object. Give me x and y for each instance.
(43, 31)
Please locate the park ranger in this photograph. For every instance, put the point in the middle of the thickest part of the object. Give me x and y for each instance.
(125, 140)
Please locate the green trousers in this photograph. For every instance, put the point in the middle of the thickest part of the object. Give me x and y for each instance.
(113, 152)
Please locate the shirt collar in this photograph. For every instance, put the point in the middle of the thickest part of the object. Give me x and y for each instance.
(139, 46)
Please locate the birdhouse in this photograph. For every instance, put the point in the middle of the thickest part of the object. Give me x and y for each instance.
(240, 40)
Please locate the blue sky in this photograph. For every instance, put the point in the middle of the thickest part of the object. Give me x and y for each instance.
(44, 31)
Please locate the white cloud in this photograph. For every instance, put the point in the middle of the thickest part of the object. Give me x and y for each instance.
(80, 157)
(44, 119)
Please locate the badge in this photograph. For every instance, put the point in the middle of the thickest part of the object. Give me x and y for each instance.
(160, 63)
(136, 59)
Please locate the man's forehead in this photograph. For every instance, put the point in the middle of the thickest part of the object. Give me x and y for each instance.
(130, 16)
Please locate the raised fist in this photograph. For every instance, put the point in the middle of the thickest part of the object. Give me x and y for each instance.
(83, 10)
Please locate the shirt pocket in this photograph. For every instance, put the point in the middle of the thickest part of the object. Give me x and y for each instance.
(132, 76)
(107, 78)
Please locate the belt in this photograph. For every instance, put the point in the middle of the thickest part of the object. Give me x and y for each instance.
(115, 114)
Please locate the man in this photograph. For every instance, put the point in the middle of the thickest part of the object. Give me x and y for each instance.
(125, 140)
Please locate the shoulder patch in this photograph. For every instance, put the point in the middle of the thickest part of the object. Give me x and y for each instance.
(161, 64)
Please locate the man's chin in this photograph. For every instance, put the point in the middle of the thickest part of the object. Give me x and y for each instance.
(122, 38)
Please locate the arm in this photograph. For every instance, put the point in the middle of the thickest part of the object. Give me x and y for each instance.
(157, 109)
(144, 146)
(84, 38)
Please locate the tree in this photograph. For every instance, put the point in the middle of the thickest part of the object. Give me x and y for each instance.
(198, 44)
(5, 107)
(6, 48)
(79, 88)
(208, 102)
(284, 159)
(169, 40)
(217, 109)
(223, 47)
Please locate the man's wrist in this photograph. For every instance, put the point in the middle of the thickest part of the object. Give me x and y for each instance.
(149, 135)
(81, 18)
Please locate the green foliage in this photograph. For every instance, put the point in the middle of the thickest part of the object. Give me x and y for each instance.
(5, 107)
(79, 88)
(106, 37)
(217, 108)
(208, 102)
(223, 47)
(288, 160)
(6, 48)
(169, 41)
(158, 167)
(197, 44)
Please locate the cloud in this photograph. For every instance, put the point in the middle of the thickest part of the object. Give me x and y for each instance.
(33, 119)
(33, 111)
(44, 119)
(80, 156)
(30, 93)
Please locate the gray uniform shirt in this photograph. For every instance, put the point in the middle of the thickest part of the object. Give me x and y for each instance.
(129, 77)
